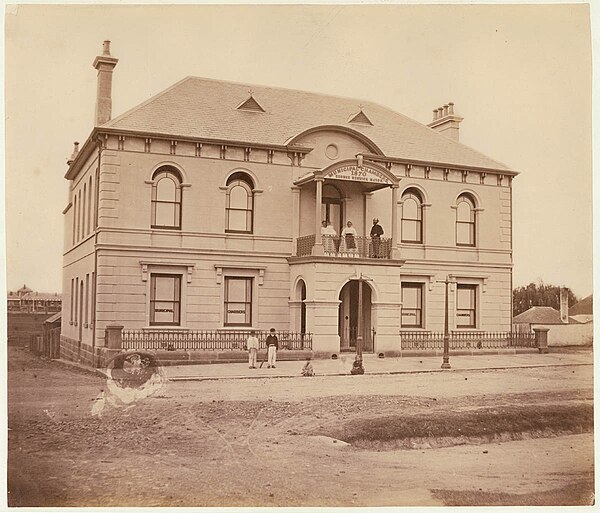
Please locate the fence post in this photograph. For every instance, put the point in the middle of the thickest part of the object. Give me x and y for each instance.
(114, 336)
(541, 339)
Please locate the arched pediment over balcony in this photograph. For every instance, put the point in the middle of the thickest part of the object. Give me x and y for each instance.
(359, 136)
(370, 174)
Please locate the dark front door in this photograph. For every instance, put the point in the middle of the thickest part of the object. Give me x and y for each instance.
(349, 317)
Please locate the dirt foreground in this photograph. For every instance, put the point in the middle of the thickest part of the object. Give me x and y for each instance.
(274, 442)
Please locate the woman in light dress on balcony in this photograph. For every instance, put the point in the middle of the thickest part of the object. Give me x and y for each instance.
(329, 237)
(348, 241)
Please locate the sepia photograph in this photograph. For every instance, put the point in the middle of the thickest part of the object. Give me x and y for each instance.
(320, 256)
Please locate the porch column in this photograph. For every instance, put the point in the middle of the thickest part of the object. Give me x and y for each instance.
(367, 209)
(295, 215)
(318, 247)
(394, 252)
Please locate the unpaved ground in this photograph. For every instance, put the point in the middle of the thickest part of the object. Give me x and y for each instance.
(259, 442)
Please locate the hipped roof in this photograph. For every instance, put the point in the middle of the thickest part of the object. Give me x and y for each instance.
(208, 109)
(539, 315)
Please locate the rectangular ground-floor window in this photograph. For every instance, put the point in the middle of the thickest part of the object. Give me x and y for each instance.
(412, 305)
(466, 306)
(165, 299)
(238, 301)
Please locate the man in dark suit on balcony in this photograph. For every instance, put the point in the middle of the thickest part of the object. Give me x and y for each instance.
(376, 233)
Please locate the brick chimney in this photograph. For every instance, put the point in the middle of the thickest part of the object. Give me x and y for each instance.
(104, 64)
(445, 121)
(564, 306)
(74, 154)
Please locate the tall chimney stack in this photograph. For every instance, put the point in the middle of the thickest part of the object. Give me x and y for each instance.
(104, 64)
(564, 305)
(445, 121)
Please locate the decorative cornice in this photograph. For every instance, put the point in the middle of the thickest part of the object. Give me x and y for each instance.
(439, 165)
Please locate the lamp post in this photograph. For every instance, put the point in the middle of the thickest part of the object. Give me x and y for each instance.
(446, 356)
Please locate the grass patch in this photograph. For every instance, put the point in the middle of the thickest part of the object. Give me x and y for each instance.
(482, 424)
(580, 493)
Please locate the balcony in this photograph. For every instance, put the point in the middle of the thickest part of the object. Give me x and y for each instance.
(342, 247)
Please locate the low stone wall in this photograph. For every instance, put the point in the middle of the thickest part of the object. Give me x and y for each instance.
(104, 355)
(569, 334)
(76, 351)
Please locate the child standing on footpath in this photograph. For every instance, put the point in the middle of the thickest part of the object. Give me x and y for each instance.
(252, 346)
(272, 346)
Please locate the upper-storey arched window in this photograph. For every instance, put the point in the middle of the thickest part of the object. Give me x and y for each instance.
(166, 198)
(465, 220)
(240, 203)
(412, 217)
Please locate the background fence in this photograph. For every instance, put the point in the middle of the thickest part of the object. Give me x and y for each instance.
(421, 340)
(47, 344)
(217, 340)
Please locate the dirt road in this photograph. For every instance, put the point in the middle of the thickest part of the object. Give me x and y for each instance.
(265, 443)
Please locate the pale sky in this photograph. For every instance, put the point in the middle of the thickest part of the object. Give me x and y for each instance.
(519, 75)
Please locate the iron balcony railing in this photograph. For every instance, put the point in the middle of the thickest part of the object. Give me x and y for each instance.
(346, 247)
(207, 340)
(423, 340)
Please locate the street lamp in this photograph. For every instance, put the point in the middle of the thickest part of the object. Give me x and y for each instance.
(446, 356)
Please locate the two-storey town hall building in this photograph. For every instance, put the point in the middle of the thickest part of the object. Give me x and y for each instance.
(218, 206)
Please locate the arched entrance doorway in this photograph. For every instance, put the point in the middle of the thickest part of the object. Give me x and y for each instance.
(349, 314)
(299, 318)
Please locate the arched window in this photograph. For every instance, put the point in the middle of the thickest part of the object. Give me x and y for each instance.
(465, 221)
(83, 212)
(412, 217)
(75, 219)
(166, 199)
(240, 203)
(90, 222)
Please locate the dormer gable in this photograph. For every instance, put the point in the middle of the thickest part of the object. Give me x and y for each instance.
(250, 104)
(360, 118)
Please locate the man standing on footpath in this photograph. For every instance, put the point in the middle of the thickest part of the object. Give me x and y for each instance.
(252, 346)
(272, 346)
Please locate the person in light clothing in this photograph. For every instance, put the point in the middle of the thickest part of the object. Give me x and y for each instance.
(252, 346)
(272, 346)
(329, 237)
(349, 237)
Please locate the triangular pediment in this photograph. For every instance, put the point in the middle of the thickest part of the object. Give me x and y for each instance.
(361, 118)
(250, 104)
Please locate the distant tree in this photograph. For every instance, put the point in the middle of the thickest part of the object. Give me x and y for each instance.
(539, 294)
